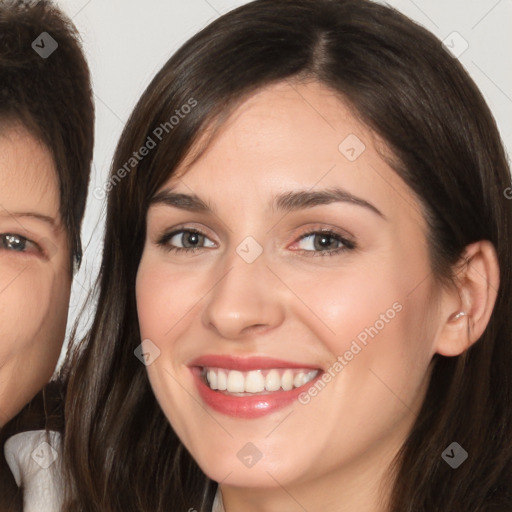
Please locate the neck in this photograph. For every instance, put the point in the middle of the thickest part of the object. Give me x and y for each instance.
(362, 486)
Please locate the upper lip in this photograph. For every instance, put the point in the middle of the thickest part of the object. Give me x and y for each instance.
(245, 363)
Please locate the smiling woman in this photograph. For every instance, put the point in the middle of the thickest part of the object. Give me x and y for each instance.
(328, 221)
(46, 139)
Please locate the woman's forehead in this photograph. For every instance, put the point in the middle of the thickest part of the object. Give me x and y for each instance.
(288, 138)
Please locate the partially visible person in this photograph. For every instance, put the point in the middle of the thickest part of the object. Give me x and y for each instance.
(46, 145)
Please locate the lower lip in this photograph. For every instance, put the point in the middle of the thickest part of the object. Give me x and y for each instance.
(246, 406)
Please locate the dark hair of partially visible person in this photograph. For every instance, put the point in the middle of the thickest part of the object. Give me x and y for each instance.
(121, 452)
(52, 99)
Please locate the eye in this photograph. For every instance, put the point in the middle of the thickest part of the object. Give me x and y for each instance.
(17, 243)
(318, 243)
(325, 243)
(190, 240)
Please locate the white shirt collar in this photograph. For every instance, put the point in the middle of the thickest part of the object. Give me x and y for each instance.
(33, 458)
(218, 505)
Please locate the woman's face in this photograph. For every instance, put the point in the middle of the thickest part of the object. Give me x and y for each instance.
(34, 270)
(320, 343)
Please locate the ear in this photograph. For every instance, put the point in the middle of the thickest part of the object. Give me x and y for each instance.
(474, 294)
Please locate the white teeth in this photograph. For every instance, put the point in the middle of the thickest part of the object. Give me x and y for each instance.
(273, 381)
(212, 378)
(310, 376)
(257, 381)
(299, 380)
(236, 382)
(254, 382)
(222, 380)
(287, 380)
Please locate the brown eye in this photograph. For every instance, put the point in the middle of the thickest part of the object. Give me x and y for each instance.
(189, 239)
(325, 243)
(14, 242)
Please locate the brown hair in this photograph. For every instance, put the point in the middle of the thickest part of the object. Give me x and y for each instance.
(121, 452)
(51, 97)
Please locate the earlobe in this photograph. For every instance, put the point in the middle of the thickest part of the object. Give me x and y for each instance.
(468, 305)
(458, 315)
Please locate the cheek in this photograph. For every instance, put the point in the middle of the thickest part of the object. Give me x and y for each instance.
(166, 297)
(22, 310)
(348, 304)
(33, 309)
(373, 319)
(155, 298)
(165, 308)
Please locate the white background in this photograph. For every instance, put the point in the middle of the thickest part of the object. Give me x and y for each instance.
(127, 41)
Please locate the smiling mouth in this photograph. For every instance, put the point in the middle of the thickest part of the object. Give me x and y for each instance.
(256, 382)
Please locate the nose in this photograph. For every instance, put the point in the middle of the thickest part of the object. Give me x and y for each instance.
(245, 299)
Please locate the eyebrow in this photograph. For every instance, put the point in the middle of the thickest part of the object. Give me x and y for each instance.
(285, 202)
(39, 216)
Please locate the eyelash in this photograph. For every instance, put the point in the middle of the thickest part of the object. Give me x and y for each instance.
(347, 244)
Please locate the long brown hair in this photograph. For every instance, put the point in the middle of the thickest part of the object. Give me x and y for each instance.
(121, 453)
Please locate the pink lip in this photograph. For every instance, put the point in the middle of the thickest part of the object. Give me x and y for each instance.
(247, 407)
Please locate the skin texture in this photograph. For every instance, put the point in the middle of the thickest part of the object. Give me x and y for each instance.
(332, 453)
(34, 281)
